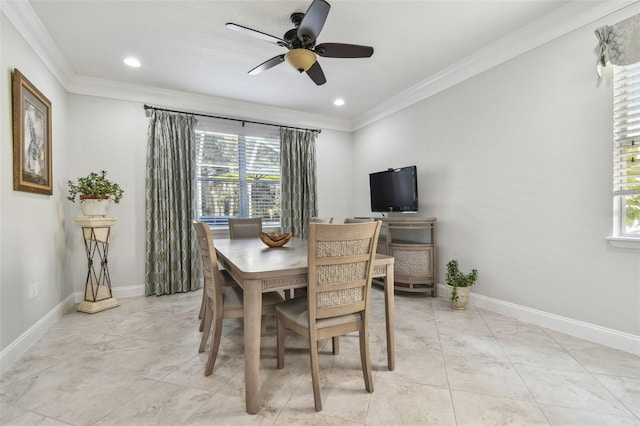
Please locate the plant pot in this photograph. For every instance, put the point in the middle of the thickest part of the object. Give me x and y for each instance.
(94, 206)
(463, 298)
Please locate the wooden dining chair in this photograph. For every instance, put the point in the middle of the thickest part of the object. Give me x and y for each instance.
(321, 220)
(227, 283)
(245, 227)
(340, 265)
(223, 300)
(358, 220)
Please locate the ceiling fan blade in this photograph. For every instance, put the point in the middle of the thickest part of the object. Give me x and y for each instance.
(313, 21)
(267, 64)
(341, 50)
(255, 33)
(316, 74)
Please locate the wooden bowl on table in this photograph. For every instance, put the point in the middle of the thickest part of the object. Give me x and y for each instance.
(275, 239)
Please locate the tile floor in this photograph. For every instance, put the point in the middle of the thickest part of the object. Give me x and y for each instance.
(138, 364)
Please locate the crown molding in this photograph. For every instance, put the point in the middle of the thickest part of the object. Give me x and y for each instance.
(204, 104)
(28, 24)
(566, 19)
(550, 27)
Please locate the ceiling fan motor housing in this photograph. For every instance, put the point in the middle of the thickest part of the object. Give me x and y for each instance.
(296, 18)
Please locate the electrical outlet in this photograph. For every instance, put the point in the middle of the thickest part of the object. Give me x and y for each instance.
(34, 290)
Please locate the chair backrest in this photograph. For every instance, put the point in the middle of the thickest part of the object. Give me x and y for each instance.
(340, 268)
(321, 220)
(245, 227)
(358, 220)
(213, 279)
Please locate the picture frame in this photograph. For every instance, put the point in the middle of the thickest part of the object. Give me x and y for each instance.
(32, 165)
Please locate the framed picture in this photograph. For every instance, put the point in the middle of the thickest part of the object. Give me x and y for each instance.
(31, 137)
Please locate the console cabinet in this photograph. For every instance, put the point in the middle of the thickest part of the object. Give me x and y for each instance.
(412, 242)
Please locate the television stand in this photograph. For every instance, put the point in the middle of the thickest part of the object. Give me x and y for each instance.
(412, 243)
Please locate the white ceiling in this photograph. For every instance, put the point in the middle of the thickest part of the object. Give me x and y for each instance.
(185, 46)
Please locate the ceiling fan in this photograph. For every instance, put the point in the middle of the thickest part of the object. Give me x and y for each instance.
(301, 43)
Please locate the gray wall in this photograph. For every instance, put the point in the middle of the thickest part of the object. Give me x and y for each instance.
(41, 243)
(516, 163)
(33, 238)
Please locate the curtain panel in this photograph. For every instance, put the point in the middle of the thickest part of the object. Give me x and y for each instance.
(619, 43)
(298, 180)
(172, 259)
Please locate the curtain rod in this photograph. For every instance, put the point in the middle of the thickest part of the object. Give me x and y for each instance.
(146, 107)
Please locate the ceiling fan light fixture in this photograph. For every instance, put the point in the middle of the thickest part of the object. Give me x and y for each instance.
(301, 59)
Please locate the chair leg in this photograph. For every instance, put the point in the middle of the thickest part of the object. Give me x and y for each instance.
(315, 374)
(263, 326)
(335, 344)
(280, 341)
(205, 327)
(202, 306)
(365, 359)
(215, 345)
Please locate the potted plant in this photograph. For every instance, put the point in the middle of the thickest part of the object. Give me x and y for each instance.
(95, 192)
(459, 283)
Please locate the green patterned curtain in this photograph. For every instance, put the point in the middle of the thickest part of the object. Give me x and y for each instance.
(172, 262)
(297, 180)
(619, 43)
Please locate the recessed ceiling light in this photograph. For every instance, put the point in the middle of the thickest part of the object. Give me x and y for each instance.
(132, 62)
(338, 102)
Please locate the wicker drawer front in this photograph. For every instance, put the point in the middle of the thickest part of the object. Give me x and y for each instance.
(413, 261)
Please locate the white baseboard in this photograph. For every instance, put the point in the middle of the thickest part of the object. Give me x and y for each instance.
(605, 336)
(128, 291)
(117, 292)
(19, 346)
(594, 333)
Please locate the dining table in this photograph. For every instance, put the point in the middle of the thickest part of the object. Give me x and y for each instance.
(258, 269)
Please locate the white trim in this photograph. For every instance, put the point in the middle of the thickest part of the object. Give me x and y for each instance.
(550, 27)
(566, 19)
(18, 347)
(30, 27)
(23, 17)
(117, 292)
(594, 333)
(626, 243)
(198, 103)
(128, 291)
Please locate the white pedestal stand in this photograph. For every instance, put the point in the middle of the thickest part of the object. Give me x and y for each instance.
(97, 293)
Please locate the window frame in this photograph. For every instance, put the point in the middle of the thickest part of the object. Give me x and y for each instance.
(626, 126)
(246, 138)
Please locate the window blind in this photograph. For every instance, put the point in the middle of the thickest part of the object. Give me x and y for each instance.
(626, 143)
(238, 175)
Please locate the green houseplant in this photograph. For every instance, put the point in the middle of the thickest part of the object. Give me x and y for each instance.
(459, 283)
(94, 191)
(94, 186)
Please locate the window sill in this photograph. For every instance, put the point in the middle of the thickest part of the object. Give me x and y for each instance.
(624, 242)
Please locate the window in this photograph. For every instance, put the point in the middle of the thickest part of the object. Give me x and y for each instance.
(626, 150)
(238, 175)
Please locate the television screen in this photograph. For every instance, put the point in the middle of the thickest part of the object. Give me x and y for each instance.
(394, 190)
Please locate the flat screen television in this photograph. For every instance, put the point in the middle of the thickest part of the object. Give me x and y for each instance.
(394, 190)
